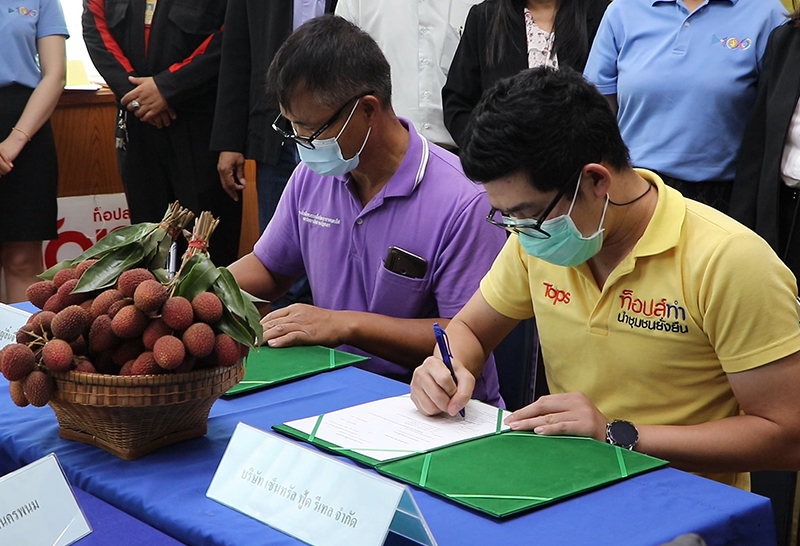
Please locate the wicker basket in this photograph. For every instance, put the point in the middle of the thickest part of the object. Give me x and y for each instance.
(130, 416)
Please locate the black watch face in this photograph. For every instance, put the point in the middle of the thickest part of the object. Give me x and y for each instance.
(623, 433)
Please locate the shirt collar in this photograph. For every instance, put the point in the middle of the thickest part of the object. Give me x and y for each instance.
(411, 170)
(654, 2)
(663, 232)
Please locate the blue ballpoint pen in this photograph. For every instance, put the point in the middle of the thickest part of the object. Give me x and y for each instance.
(444, 348)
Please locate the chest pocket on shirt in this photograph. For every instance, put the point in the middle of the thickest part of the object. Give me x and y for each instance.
(201, 20)
(402, 297)
(115, 12)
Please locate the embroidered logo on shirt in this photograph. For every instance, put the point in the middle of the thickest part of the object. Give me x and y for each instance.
(24, 11)
(733, 43)
(661, 312)
(318, 219)
(553, 293)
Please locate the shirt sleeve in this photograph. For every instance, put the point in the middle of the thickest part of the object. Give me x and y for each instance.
(601, 66)
(750, 312)
(279, 248)
(470, 247)
(506, 287)
(51, 20)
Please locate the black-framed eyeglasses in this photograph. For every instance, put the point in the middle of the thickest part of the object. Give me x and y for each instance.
(308, 142)
(531, 228)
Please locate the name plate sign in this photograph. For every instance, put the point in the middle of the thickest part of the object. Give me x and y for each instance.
(38, 508)
(11, 320)
(311, 496)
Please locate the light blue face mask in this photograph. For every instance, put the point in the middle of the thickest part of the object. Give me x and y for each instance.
(566, 245)
(326, 158)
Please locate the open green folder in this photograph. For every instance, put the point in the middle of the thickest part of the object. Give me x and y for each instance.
(268, 367)
(511, 472)
(498, 473)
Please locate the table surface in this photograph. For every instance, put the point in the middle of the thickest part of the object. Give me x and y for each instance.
(166, 489)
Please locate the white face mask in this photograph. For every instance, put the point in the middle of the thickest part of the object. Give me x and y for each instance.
(326, 158)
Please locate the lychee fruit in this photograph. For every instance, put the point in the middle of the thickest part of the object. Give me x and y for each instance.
(17, 395)
(38, 388)
(226, 350)
(101, 336)
(129, 322)
(115, 307)
(25, 334)
(78, 346)
(199, 339)
(104, 363)
(55, 303)
(155, 330)
(104, 300)
(84, 365)
(57, 355)
(207, 307)
(38, 292)
(129, 350)
(187, 365)
(65, 291)
(65, 275)
(149, 296)
(132, 278)
(18, 362)
(127, 368)
(40, 322)
(83, 266)
(177, 313)
(145, 364)
(70, 323)
(169, 352)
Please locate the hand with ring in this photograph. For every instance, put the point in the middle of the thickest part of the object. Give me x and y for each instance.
(135, 104)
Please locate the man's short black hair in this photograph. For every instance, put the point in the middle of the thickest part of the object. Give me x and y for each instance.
(334, 60)
(544, 123)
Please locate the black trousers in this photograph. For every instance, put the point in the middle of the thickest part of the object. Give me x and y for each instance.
(789, 227)
(159, 166)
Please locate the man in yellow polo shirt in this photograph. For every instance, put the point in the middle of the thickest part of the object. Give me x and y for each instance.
(666, 326)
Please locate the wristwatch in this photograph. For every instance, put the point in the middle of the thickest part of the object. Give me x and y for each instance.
(622, 434)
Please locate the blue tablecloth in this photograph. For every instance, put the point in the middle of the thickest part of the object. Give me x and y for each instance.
(166, 489)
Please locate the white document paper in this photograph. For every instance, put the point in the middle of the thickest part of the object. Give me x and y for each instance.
(393, 427)
(311, 496)
(11, 320)
(38, 508)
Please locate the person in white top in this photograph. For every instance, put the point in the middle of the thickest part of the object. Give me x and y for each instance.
(419, 39)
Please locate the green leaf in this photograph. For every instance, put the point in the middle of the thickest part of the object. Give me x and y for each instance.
(115, 239)
(228, 324)
(252, 298)
(229, 292)
(159, 259)
(162, 275)
(105, 272)
(253, 318)
(198, 275)
(50, 273)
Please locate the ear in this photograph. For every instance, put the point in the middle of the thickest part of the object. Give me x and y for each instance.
(371, 107)
(597, 177)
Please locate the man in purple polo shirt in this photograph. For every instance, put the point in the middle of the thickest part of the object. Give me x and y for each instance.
(338, 217)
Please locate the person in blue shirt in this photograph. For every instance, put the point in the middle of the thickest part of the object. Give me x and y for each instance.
(682, 76)
(32, 76)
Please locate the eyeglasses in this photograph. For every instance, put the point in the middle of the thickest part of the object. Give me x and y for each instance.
(308, 142)
(531, 228)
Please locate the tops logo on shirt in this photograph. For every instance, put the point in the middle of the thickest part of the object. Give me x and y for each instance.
(318, 219)
(734, 43)
(553, 293)
(24, 11)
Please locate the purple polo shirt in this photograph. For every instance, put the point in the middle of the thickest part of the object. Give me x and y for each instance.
(428, 207)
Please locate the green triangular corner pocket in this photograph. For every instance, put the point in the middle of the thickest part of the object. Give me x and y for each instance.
(512, 472)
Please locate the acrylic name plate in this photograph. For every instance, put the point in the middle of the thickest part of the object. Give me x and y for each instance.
(311, 496)
(11, 320)
(38, 508)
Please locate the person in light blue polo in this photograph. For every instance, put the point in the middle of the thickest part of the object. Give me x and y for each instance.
(682, 75)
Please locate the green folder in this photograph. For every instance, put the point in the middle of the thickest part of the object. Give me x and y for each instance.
(507, 472)
(512, 472)
(267, 367)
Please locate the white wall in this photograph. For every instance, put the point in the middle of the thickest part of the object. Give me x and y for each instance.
(76, 50)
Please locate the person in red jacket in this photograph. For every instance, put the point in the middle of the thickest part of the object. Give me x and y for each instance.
(161, 60)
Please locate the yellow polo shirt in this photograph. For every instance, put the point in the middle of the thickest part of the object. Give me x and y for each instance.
(699, 296)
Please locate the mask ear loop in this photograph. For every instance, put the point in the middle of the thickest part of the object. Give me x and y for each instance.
(353, 111)
(575, 195)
